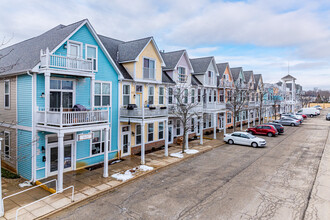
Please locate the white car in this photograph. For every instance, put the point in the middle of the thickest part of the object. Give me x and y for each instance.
(244, 138)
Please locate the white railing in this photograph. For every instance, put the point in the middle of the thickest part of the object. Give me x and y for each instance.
(148, 112)
(195, 109)
(64, 62)
(214, 105)
(71, 118)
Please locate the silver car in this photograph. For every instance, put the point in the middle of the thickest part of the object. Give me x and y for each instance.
(288, 121)
(244, 138)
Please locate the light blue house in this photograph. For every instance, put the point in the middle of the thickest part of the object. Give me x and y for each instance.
(66, 102)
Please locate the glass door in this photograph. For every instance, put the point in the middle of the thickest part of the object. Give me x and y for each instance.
(170, 134)
(126, 144)
(53, 158)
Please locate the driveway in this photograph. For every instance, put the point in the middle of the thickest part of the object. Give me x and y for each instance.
(229, 182)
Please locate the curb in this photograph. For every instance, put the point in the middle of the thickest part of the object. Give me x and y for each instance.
(104, 192)
(51, 190)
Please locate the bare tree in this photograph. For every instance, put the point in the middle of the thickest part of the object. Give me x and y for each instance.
(276, 105)
(184, 108)
(238, 101)
(261, 102)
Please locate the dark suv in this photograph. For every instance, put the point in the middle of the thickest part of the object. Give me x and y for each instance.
(279, 127)
(328, 117)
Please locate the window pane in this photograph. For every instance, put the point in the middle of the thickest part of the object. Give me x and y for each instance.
(105, 100)
(6, 87)
(55, 99)
(138, 130)
(6, 100)
(146, 63)
(97, 88)
(96, 136)
(97, 100)
(106, 89)
(125, 100)
(126, 89)
(91, 52)
(67, 85)
(55, 84)
(67, 100)
(161, 91)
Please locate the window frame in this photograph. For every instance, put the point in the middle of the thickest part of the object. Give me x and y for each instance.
(170, 96)
(123, 94)
(136, 134)
(101, 94)
(6, 155)
(101, 141)
(73, 90)
(229, 118)
(7, 81)
(182, 78)
(154, 73)
(193, 96)
(161, 131)
(161, 96)
(96, 58)
(153, 132)
(153, 95)
(178, 127)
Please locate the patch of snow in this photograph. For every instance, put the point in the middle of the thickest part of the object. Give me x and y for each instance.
(24, 184)
(191, 151)
(123, 177)
(145, 168)
(178, 155)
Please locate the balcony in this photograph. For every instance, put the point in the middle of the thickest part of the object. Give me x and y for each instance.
(157, 111)
(195, 109)
(68, 118)
(226, 84)
(49, 60)
(214, 106)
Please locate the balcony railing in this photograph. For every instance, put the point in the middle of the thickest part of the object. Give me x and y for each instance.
(64, 62)
(66, 117)
(226, 84)
(157, 111)
(214, 106)
(195, 109)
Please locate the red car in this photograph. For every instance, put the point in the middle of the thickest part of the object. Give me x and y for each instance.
(304, 116)
(268, 130)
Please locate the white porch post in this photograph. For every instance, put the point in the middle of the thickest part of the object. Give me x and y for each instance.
(1, 202)
(166, 137)
(187, 137)
(142, 143)
(241, 119)
(201, 130)
(224, 122)
(106, 153)
(254, 117)
(263, 118)
(60, 163)
(214, 125)
(248, 118)
(47, 87)
(92, 92)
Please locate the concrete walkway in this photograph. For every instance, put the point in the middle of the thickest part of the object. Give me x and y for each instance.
(89, 183)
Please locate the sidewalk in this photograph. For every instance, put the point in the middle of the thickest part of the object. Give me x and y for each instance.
(89, 183)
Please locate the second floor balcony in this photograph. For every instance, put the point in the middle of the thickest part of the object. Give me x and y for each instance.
(214, 106)
(132, 111)
(193, 109)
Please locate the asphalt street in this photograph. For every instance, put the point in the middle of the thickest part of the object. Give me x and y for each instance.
(229, 182)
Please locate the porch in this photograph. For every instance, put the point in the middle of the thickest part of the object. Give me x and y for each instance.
(154, 111)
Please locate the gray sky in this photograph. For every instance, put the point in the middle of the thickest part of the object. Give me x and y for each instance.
(261, 35)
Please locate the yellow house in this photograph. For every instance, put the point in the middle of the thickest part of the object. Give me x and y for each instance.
(143, 107)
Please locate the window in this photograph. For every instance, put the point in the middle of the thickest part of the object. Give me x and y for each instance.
(150, 132)
(126, 94)
(178, 127)
(185, 98)
(210, 96)
(193, 96)
(7, 94)
(148, 68)
(210, 121)
(192, 129)
(98, 142)
(161, 96)
(91, 54)
(160, 130)
(151, 94)
(182, 74)
(138, 136)
(215, 96)
(221, 95)
(199, 98)
(61, 94)
(170, 96)
(7, 144)
(228, 118)
(210, 77)
(102, 94)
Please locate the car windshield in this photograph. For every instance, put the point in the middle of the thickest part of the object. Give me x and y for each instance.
(251, 136)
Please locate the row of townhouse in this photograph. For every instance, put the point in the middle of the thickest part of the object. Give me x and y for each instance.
(74, 99)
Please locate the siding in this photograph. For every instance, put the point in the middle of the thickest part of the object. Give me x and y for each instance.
(8, 115)
(11, 162)
(24, 100)
(40, 89)
(24, 153)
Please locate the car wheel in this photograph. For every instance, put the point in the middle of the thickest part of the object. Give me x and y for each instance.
(311, 116)
(254, 144)
(230, 141)
(250, 132)
(270, 134)
(292, 124)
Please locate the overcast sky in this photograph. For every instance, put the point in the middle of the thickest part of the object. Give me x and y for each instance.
(259, 35)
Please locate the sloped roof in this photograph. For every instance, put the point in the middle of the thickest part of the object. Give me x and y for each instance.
(195, 81)
(172, 58)
(248, 74)
(256, 80)
(130, 50)
(288, 77)
(222, 68)
(200, 65)
(26, 54)
(111, 45)
(235, 72)
(166, 78)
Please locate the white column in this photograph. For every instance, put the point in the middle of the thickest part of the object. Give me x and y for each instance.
(166, 137)
(187, 137)
(60, 162)
(263, 118)
(225, 123)
(92, 92)
(214, 126)
(47, 86)
(241, 119)
(1, 202)
(201, 131)
(143, 151)
(248, 118)
(106, 153)
(254, 117)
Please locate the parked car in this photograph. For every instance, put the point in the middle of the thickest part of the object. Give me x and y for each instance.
(244, 138)
(318, 107)
(268, 130)
(279, 127)
(327, 117)
(288, 121)
(311, 112)
(299, 117)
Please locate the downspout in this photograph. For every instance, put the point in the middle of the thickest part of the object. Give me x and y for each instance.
(118, 122)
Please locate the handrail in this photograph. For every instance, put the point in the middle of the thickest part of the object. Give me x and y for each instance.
(72, 199)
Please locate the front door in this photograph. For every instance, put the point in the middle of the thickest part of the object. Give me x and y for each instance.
(53, 158)
(126, 141)
(170, 134)
(138, 100)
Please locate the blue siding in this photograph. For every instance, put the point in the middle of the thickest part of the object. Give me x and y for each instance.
(24, 153)
(40, 90)
(41, 174)
(95, 160)
(83, 147)
(83, 92)
(41, 143)
(24, 100)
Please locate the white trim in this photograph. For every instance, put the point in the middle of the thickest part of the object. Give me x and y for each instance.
(164, 103)
(4, 93)
(4, 145)
(188, 61)
(91, 143)
(122, 93)
(149, 86)
(97, 56)
(72, 42)
(103, 82)
(21, 127)
(136, 144)
(153, 132)
(163, 130)
(129, 139)
(63, 90)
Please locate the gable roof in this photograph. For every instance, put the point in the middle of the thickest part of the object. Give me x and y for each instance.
(200, 65)
(130, 50)
(256, 80)
(26, 54)
(288, 77)
(195, 81)
(248, 74)
(166, 78)
(172, 58)
(235, 72)
(222, 68)
(111, 46)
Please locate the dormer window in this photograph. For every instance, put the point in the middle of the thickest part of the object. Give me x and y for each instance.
(182, 76)
(210, 76)
(148, 68)
(91, 54)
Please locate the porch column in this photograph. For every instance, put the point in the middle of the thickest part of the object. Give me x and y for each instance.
(241, 119)
(254, 117)
(201, 130)
(47, 86)
(263, 118)
(214, 125)
(142, 143)
(248, 118)
(92, 92)
(224, 122)
(106, 153)
(166, 137)
(60, 162)
(187, 137)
